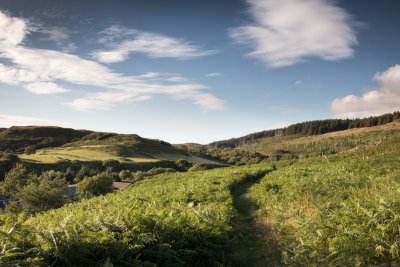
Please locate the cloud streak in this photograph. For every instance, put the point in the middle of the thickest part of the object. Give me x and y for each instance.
(39, 71)
(384, 99)
(9, 120)
(153, 44)
(285, 32)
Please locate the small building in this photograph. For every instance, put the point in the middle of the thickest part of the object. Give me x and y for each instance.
(121, 185)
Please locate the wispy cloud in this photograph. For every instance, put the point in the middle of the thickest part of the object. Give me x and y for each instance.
(59, 35)
(214, 74)
(384, 99)
(285, 32)
(55, 34)
(39, 70)
(9, 120)
(123, 41)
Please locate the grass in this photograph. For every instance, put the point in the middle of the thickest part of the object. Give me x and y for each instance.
(342, 210)
(330, 143)
(53, 155)
(177, 219)
(339, 209)
(100, 152)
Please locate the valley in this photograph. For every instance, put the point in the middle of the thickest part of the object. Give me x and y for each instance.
(319, 200)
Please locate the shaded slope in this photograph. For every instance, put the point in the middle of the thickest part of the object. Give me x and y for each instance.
(16, 138)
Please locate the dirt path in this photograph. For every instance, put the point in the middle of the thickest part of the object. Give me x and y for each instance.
(254, 247)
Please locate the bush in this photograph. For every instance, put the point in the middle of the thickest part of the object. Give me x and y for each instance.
(125, 175)
(183, 165)
(15, 179)
(99, 184)
(30, 150)
(44, 194)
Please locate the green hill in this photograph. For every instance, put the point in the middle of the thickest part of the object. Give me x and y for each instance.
(338, 209)
(54, 144)
(310, 128)
(319, 200)
(19, 137)
(298, 146)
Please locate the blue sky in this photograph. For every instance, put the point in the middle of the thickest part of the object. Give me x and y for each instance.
(196, 71)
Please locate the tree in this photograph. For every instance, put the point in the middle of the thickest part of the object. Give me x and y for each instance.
(99, 184)
(125, 175)
(111, 165)
(43, 194)
(30, 150)
(15, 179)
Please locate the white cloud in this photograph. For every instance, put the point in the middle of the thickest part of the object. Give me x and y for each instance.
(176, 78)
(13, 31)
(384, 99)
(39, 70)
(45, 88)
(105, 100)
(285, 32)
(153, 44)
(9, 120)
(150, 75)
(214, 74)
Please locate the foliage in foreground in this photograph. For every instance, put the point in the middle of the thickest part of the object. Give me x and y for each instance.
(30, 193)
(174, 219)
(343, 210)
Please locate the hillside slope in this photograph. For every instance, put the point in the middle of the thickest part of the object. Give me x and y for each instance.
(297, 146)
(310, 128)
(53, 144)
(339, 210)
(16, 138)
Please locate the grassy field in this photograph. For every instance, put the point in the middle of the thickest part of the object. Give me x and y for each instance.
(100, 152)
(340, 209)
(53, 155)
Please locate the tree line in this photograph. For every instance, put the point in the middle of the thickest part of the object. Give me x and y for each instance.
(311, 128)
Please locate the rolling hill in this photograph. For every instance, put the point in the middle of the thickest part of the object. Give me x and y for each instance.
(321, 208)
(54, 144)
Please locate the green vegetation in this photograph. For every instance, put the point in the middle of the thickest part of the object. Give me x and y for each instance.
(225, 155)
(31, 193)
(19, 137)
(342, 210)
(310, 128)
(174, 219)
(295, 146)
(321, 200)
(96, 185)
(54, 155)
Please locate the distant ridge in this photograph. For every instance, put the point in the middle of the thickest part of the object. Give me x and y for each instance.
(310, 128)
(17, 138)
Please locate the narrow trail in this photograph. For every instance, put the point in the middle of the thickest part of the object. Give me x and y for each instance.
(255, 247)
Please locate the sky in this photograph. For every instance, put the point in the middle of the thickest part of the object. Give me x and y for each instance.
(196, 71)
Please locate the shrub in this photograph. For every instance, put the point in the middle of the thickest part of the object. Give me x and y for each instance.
(99, 184)
(30, 150)
(44, 194)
